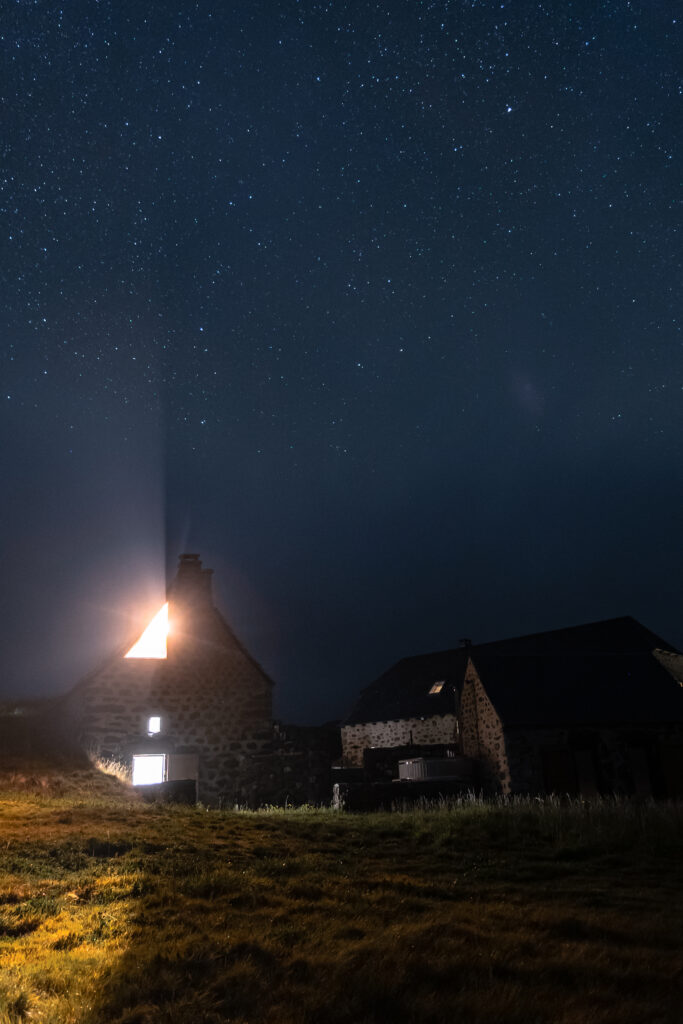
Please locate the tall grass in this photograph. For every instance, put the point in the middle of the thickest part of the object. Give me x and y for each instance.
(604, 821)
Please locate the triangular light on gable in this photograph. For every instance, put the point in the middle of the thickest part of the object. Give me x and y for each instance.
(152, 643)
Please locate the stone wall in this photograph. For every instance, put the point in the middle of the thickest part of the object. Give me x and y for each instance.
(436, 729)
(302, 763)
(482, 734)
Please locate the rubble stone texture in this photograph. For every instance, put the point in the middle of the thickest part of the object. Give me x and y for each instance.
(482, 732)
(436, 729)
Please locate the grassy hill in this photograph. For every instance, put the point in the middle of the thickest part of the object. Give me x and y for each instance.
(114, 910)
(37, 756)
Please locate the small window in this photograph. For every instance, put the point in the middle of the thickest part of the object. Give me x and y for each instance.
(154, 725)
(438, 687)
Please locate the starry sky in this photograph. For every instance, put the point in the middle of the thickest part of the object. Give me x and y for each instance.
(373, 304)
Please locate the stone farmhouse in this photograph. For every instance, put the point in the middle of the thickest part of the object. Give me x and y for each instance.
(191, 704)
(596, 708)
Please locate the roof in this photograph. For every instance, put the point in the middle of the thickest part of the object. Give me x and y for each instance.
(198, 629)
(403, 691)
(599, 672)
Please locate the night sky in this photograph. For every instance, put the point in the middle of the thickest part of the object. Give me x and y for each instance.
(373, 305)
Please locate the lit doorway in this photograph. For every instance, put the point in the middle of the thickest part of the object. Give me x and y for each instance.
(148, 769)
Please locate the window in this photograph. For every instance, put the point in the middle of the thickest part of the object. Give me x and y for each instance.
(148, 769)
(154, 725)
(438, 687)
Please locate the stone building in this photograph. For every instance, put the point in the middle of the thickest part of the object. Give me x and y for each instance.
(192, 705)
(591, 709)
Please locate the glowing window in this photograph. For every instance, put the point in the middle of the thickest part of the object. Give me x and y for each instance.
(438, 687)
(152, 643)
(153, 725)
(148, 769)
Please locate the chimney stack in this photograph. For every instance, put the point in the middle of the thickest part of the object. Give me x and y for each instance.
(191, 613)
(192, 584)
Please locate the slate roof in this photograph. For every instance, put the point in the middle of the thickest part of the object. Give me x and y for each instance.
(597, 673)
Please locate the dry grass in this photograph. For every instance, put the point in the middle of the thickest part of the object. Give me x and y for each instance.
(485, 914)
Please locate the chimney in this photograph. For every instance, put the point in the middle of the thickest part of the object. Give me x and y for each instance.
(192, 584)
(190, 609)
(191, 615)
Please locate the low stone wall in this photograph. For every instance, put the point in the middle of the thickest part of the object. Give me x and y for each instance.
(437, 729)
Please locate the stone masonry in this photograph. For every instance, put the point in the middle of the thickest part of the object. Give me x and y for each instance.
(482, 732)
(435, 729)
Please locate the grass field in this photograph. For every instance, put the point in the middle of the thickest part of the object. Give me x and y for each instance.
(112, 910)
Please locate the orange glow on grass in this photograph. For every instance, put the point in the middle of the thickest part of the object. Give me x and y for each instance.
(152, 643)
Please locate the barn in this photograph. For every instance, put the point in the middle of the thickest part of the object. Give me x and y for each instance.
(596, 708)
